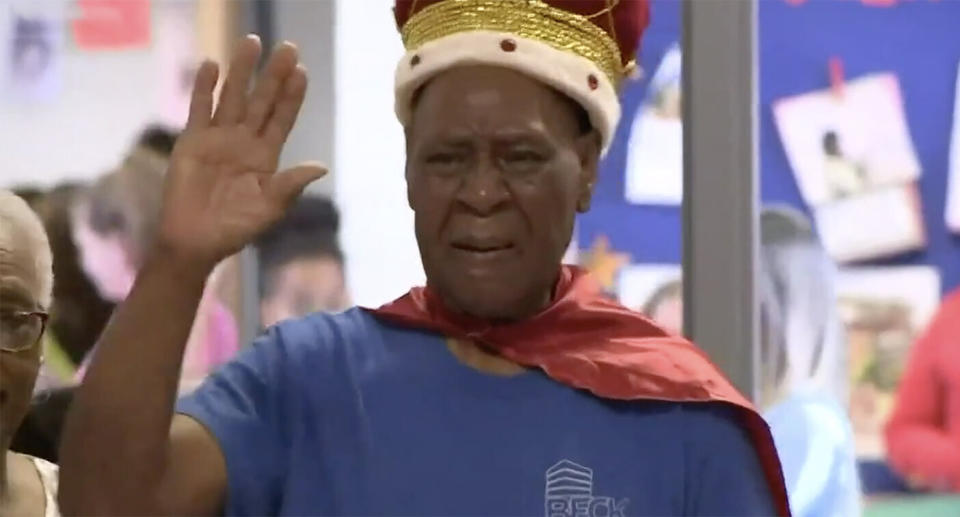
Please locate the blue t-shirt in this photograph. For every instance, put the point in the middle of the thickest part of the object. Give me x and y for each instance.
(814, 439)
(344, 415)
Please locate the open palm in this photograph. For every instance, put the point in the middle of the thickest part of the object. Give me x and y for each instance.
(223, 187)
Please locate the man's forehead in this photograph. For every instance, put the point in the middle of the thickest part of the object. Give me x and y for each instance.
(19, 274)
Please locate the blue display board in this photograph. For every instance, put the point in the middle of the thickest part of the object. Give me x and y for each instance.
(918, 40)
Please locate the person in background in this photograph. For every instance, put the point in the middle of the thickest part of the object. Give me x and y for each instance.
(804, 389)
(923, 433)
(665, 306)
(57, 369)
(28, 485)
(115, 226)
(301, 263)
(33, 196)
(39, 434)
(509, 385)
(78, 314)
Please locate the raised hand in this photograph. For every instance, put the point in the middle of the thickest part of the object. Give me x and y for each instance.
(223, 187)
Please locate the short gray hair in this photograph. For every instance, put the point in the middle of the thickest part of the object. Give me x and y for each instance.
(18, 220)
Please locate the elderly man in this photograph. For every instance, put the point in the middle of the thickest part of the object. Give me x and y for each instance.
(27, 485)
(507, 386)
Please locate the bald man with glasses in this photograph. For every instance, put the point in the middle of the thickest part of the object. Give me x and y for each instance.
(27, 485)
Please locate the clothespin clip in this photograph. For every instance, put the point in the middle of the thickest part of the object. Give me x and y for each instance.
(837, 82)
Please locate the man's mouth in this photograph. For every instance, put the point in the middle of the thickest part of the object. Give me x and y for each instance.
(484, 249)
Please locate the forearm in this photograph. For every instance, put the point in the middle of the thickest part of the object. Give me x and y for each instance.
(115, 441)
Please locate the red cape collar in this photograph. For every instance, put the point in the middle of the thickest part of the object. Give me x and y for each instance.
(589, 342)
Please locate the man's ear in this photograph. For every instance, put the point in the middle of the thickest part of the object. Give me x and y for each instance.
(588, 150)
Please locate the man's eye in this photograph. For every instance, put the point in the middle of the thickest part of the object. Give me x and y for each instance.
(13, 321)
(524, 157)
(444, 158)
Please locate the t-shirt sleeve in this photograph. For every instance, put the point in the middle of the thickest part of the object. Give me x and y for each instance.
(723, 475)
(242, 405)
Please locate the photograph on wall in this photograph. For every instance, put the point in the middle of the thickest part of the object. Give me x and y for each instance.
(855, 165)
(656, 291)
(881, 222)
(952, 211)
(841, 145)
(654, 172)
(884, 309)
(32, 46)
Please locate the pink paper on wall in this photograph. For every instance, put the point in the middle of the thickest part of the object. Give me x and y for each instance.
(112, 24)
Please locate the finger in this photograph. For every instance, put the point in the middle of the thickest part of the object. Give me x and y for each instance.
(281, 64)
(287, 107)
(286, 186)
(233, 98)
(201, 100)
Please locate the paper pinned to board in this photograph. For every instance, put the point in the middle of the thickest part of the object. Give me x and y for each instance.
(31, 42)
(856, 166)
(884, 310)
(638, 284)
(654, 290)
(654, 171)
(112, 24)
(879, 223)
(952, 210)
(841, 147)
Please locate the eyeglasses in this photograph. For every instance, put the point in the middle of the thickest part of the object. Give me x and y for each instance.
(21, 330)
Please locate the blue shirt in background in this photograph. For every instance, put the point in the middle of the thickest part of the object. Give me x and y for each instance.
(815, 442)
(344, 415)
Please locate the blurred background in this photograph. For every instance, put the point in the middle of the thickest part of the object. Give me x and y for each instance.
(858, 183)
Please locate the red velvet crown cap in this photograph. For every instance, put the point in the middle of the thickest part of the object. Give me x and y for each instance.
(624, 20)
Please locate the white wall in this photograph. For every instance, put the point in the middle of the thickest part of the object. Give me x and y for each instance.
(377, 233)
(105, 99)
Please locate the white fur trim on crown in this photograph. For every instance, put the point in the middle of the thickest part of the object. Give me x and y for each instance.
(565, 71)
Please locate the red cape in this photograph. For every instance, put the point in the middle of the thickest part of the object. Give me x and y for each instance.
(589, 342)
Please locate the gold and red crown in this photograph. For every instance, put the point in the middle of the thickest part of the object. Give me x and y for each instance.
(584, 48)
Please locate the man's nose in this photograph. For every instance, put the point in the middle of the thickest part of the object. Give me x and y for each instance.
(484, 190)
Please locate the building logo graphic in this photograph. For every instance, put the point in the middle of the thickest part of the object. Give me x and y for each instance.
(569, 493)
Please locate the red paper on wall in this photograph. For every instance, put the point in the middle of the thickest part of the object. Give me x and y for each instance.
(112, 24)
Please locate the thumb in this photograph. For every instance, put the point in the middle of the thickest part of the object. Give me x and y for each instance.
(284, 187)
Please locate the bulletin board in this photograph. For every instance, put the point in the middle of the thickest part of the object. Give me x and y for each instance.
(915, 39)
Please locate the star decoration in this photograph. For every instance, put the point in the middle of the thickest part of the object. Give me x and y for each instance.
(604, 263)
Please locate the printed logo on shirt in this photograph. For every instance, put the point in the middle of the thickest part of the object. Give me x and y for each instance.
(569, 493)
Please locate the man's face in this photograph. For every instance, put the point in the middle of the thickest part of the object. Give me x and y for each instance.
(304, 286)
(497, 167)
(20, 285)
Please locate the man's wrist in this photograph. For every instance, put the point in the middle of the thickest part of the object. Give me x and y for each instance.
(193, 270)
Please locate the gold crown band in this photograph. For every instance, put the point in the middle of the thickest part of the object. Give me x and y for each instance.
(531, 19)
